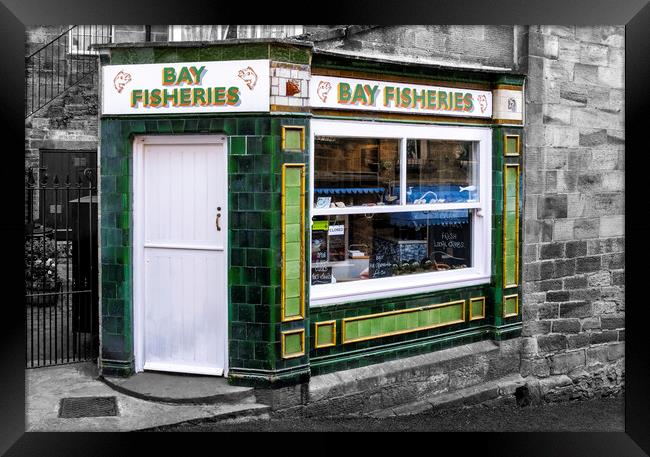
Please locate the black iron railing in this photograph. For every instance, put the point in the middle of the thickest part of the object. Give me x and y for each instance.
(61, 269)
(62, 63)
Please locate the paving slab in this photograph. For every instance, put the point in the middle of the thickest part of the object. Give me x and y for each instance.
(45, 387)
(180, 388)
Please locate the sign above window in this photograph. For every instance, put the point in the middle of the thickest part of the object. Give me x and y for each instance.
(186, 87)
(361, 94)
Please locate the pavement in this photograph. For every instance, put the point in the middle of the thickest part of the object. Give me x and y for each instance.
(145, 402)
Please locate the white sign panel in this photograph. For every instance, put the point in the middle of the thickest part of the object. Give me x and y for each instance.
(361, 94)
(186, 87)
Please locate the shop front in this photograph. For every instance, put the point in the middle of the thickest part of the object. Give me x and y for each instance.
(270, 212)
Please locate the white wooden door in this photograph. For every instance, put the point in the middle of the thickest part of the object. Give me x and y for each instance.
(180, 217)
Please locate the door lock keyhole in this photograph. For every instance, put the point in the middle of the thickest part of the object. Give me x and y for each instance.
(218, 219)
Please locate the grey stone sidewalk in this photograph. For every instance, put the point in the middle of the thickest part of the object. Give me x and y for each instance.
(45, 387)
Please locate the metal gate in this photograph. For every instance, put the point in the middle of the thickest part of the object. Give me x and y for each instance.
(61, 268)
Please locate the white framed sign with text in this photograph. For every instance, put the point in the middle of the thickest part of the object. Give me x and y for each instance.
(186, 87)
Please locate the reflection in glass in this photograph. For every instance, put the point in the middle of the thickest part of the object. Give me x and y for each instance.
(355, 172)
(441, 172)
(358, 247)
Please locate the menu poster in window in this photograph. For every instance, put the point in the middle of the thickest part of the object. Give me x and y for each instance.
(319, 246)
(450, 245)
(382, 259)
(321, 275)
(336, 246)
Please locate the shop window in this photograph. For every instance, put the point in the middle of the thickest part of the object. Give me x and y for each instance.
(398, 208)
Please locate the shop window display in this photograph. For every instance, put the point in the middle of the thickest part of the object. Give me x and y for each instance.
(352, 175)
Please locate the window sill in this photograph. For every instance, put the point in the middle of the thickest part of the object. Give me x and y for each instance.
(400, 286)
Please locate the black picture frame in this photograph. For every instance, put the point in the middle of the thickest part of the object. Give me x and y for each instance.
(635, 14)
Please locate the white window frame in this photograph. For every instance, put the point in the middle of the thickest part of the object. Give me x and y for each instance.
(478, 273)
(254, 31)
(87, 52)
(175, 32)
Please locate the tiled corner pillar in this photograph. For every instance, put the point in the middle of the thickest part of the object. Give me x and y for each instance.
(507, 215)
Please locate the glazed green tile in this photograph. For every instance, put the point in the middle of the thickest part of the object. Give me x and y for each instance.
(257, 51)
(234, 52)
(237, 145)
(292, 177)
(388, 323)
(413, 319)
(292, 343)
(364, 328)
(187, 54)
(292, 196)
(165, 55)
(477, 308)
(210, 54)
(292, 288)
(435, 316)
(324, 335)
(401, 322)
(511, 145)
(292, 307)
(292, 270)
(280, 54)
(351, 330)
(292, 215)
(292, 139)
(292, 232)
(510, 305)
(292, 251)
(375, 326)
(300, 55)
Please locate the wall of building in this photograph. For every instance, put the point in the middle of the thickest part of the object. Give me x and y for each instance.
(573, 252)
(452, 45)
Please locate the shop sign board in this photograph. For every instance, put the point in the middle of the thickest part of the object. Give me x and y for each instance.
(186, 87)
(362, 94)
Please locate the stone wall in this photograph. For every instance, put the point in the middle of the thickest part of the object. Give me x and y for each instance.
(573, 250)
(451, 45)
(70, 121)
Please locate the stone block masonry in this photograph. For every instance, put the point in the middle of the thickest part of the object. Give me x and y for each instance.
(573, 298)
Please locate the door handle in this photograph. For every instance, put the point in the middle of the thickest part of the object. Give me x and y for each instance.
(218, 219)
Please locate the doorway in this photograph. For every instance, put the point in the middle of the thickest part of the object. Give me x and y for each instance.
(180, 261)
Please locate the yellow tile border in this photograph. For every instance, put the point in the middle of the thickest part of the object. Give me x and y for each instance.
(302, 136)
(505, 297)
(482, 316)
(344, 339)
(323, 324)
(302, 343)
(505, 141)
(300, 316)
(517, 215)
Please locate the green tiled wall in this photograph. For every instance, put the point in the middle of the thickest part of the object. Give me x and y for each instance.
(359, 329)
(293, 228)
(510, 224)
(254, 180)
(217, 52)
(375, 350)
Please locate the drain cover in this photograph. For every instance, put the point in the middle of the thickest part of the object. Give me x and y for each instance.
(88, 407)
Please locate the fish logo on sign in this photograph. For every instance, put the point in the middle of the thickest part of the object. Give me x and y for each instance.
(249, 76)
(121, 80)
(323, 89)
(482, 101)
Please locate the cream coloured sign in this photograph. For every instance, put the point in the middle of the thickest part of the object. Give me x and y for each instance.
(186, 87)
(361, 94)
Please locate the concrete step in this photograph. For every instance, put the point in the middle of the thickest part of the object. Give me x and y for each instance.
(474, 395)
(180, 388)
(46, 387)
